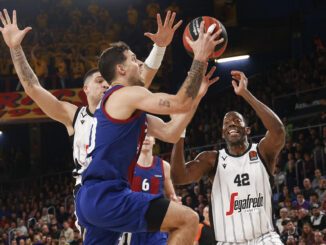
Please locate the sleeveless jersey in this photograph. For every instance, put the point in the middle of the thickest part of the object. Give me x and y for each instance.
(149, 179)
(241, 197)
(114, 145)
(82, 124)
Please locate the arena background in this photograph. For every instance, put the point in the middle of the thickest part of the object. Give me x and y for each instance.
(287, 71)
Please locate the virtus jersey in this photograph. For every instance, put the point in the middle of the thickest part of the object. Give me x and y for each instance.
(241, 197)
(82, 124)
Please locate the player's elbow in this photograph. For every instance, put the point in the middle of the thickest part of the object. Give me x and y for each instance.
(280, 134)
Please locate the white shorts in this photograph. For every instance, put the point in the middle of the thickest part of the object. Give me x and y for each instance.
(271, 238)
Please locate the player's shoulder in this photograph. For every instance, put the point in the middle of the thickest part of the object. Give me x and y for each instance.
(207, 156)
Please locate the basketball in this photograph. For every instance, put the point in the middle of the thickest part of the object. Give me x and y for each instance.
(192, 31)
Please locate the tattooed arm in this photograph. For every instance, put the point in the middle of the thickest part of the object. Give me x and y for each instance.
(171, 131)
(50, 105)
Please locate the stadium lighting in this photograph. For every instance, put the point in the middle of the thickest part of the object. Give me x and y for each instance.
(1, 132)
(229, 59)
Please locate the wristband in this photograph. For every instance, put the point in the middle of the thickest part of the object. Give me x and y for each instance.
(155, 57)
(183, 135)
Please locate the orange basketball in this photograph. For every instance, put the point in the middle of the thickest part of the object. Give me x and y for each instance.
(192, 31)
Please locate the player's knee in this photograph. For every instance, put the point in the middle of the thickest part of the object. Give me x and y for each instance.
(191, 218)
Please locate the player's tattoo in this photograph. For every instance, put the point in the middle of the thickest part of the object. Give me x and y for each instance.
(163, 102)
(193, 81)
(22, 67)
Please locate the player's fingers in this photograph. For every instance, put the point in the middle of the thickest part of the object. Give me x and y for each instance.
(149, 35)
(1, 29)
(172, 19)
(167, 17)
(234, 84)
(219, 41)
(213, 80)
(189, 41)
(159, 20)
(202, 28)
(235, 72)
(27, 29)
(176, 26)
(216, 34)
(2, 19)
(211, 28)
(7, 16)
(14, 17)
(210, 73)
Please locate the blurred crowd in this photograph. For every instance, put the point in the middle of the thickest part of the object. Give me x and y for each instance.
(68, 37)
(39, 213)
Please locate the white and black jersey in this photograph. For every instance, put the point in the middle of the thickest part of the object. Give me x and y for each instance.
(82, 126)
(241, 197)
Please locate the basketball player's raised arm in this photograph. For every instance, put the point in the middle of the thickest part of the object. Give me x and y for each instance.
(186, 173)
(50, 105)
(162, 38)
(171, 131)
(271, 145)
(136, 97)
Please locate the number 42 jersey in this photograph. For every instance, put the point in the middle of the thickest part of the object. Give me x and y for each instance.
(241, 197)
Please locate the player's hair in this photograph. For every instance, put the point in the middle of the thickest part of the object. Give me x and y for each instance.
(89, 73)
(244, 119)
(111, 57)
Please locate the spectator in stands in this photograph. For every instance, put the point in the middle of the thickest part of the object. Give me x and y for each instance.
(318, 220)
(318, 236)
(55, 233)
(303, 217)
(317, 178)
(67, 232)
(301, 202)
(279, 177)
(314, 199)
(283, 217)
(307, 234)
(307, 191)
(77, 239)
(289, 230)
(205, 235)
(290, 240)
(284, 195)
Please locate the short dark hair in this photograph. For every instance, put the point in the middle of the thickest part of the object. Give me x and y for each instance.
(90, 73)
(111, 57)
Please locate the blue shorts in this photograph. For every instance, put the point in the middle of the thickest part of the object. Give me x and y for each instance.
(107, 208)
(149, 238)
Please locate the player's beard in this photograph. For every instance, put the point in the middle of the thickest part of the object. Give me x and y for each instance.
(137, 81)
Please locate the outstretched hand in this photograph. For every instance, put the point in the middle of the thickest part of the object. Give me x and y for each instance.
(207, 81)
(241, 87)
(164, 34)
(10, 32)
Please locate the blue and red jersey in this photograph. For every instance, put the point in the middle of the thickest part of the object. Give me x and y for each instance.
(149, 179)
(114, 145)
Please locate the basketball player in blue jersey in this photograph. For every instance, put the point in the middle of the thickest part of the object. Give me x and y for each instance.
(152, 175)
(105, 204)
(241, 207)
(78, 120)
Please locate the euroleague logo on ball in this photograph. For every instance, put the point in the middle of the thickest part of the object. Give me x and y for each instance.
(192, 31)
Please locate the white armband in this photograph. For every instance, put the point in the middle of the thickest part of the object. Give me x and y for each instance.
(183, 135)
(155, 57)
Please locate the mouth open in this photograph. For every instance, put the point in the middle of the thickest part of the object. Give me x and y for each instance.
(233, 133)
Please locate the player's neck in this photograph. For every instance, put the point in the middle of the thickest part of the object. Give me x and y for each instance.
(91, 108)
(145, 158)
(238, 149)
(119, 81)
